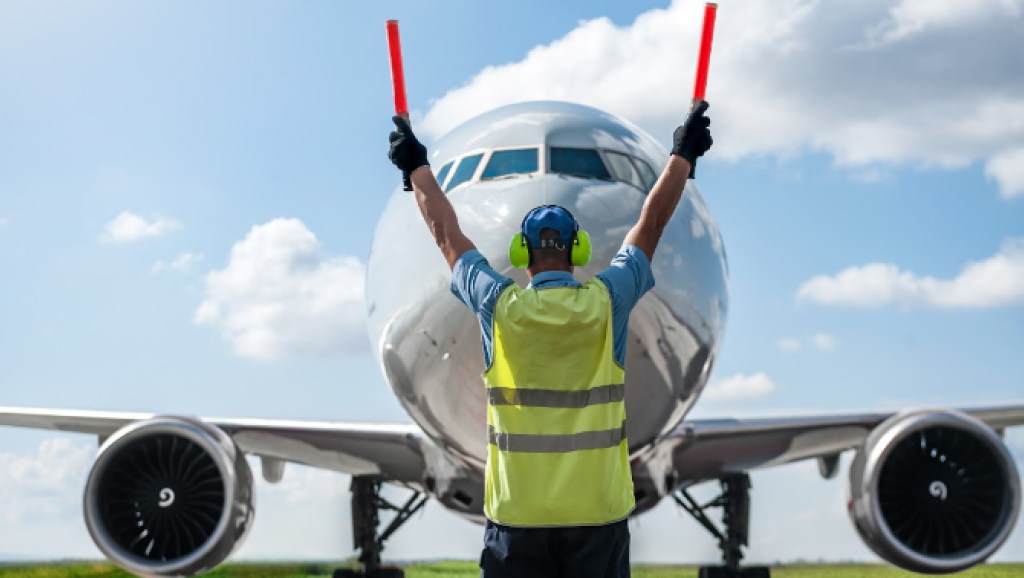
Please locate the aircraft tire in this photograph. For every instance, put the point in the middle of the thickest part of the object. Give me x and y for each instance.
(379, 573)
(722, 572)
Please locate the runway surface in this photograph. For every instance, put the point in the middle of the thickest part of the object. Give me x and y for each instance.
(467, 569)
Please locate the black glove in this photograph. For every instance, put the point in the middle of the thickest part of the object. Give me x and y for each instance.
(407, 153)
(693, 138)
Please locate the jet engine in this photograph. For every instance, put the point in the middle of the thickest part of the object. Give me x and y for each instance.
(934, 491)
(169, 496)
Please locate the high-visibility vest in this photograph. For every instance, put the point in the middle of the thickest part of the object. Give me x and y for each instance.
(557, 451)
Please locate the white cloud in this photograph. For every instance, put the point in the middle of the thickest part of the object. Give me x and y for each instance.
(912, 17)
(1008, 170)
(182, 262)
(1015, 439)
(128, 227)
(289, 519)
(739, 387)
(789, 345)
(1015, 442)
(3, 221)
(279, 297)
(869, 175)
(783, 80)
(819, 341)
(824, 342)
(45, 484)
(998, 280)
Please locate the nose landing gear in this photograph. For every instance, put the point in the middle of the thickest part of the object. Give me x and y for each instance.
(367, 503)
(735, 503)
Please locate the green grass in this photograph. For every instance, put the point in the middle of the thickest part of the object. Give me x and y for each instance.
(466, 569)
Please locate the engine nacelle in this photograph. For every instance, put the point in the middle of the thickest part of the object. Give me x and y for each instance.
(169, 496)
(934, 491)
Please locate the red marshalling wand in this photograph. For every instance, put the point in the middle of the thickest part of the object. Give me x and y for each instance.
(706, 34)
(398, 79)
(397, 74)
(700, 84)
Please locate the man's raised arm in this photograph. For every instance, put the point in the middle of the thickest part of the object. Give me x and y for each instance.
(691, 140)
(409, 155)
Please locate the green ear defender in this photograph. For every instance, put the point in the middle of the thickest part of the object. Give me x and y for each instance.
(518, 252)
(579, 254)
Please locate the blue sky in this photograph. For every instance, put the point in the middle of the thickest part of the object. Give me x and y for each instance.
(139, 142)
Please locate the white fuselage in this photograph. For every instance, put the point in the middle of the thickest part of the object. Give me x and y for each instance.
(429, 343)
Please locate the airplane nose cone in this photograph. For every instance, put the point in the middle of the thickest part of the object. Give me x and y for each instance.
(491, 213)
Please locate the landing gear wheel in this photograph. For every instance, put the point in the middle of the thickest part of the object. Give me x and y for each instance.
(385, 572)
(723, 572)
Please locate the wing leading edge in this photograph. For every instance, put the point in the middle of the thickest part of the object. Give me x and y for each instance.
(694, 450)
(707, 449)
(395, 452)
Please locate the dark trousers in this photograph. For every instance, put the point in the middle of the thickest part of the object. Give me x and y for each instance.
(583, 551)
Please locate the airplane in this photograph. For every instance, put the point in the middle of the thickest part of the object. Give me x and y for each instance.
(931, 490)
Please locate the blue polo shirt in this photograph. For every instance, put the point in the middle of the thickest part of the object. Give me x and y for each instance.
(628, 278)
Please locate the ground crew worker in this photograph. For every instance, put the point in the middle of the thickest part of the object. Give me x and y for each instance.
(558, 486)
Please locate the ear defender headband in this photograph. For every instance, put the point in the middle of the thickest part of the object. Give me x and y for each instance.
(579, 251)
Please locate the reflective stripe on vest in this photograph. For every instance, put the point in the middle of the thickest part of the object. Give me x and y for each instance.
(556, 397)
(584, 440)
(557, 451)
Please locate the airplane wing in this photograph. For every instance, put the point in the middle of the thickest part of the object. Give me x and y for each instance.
(395, 452)
(706, 449)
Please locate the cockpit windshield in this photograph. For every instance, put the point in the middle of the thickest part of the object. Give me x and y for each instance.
(603, 165)
(443, 173)
(624, 169)
(646, 172)
(465, 170)
(585, 163)
(511, 162)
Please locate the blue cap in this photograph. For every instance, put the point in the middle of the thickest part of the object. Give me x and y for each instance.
(549, 217)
